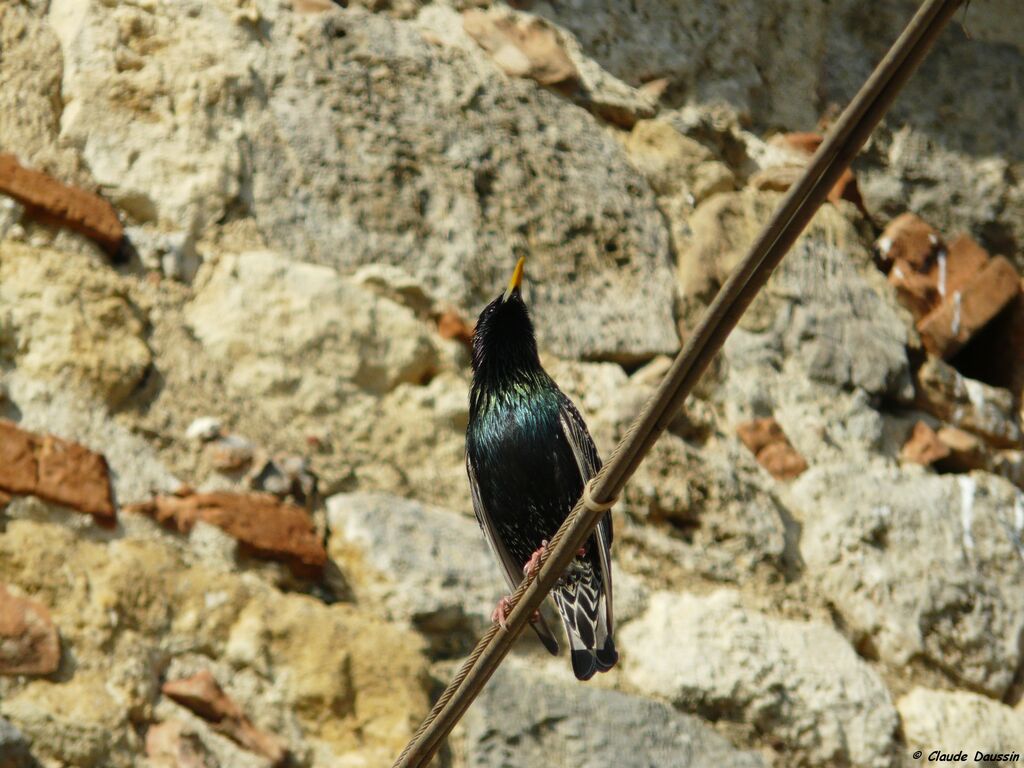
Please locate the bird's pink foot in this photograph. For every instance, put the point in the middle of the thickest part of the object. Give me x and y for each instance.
(500, 614)
(501, 610)
(533, 564)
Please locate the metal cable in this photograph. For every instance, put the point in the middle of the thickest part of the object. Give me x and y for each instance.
(796, 209)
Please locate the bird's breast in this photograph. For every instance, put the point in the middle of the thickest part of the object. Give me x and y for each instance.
(527, 474)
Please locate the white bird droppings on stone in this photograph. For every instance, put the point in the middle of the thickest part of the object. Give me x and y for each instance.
(967, 487)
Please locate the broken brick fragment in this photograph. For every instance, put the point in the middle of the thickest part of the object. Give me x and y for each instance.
(203, 695)
(966, 451)
(264, 525)
(72, 475)
(807, 143)
(782, 461)
(19, 469)
(910, 239)
(964, 312)
(55, 470)
(29, 644)
(48, 199)
(772, 449)
(917, 257)
(924, 446)
(451, 325)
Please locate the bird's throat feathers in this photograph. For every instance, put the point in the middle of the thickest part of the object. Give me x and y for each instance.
(504, 347)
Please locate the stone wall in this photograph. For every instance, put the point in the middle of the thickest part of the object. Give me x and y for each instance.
(242, 246)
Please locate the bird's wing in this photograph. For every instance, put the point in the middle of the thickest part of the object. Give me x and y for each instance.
(585, 453)
(512, 572)
(508, 566)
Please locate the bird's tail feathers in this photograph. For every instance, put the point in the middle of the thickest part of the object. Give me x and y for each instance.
(581, 602)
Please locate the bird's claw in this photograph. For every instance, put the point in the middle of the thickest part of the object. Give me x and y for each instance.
(533, 564)
(501, 610)
(500, 614)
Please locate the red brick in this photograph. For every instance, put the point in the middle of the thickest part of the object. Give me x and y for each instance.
(964, 258)
(966, 451)
(72, 475)
(203, 695)
(909, 239)
(18, 468)
(451, 325)
(264, 526)
(924, 446)
(771, 448)
(946, 329)
(29, 644)
(782, 461)
(56, 470)
(806, 142)
(758, 433)
(46, 198)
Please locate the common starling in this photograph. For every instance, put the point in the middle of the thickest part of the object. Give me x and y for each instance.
(528, 456)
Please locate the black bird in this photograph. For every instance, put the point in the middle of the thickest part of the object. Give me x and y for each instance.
(528, 456)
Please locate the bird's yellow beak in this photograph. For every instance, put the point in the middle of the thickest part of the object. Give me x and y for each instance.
(517, 278)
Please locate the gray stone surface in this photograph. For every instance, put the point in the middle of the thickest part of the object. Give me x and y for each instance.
(920, 565)
(826, 314)
(440, 163)
(430, 567)
(525, 717)
(799, 684)
(405, 152)
(706, 510)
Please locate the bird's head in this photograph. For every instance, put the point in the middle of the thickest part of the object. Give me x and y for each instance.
(503, 342)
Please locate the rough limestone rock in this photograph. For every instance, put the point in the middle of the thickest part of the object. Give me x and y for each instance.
(423, 565)
(524, 716)
(77, 722)
(826, 312)
(960, 720)
(63, 319)
(932, 150)
(799, 684)
(127, 606)
(444, 165)
(430, 568)
(30, 79)
(676, 164)
(309, 333)
(152, 95)
(437, 161)
(920, 565)
(720, 519)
